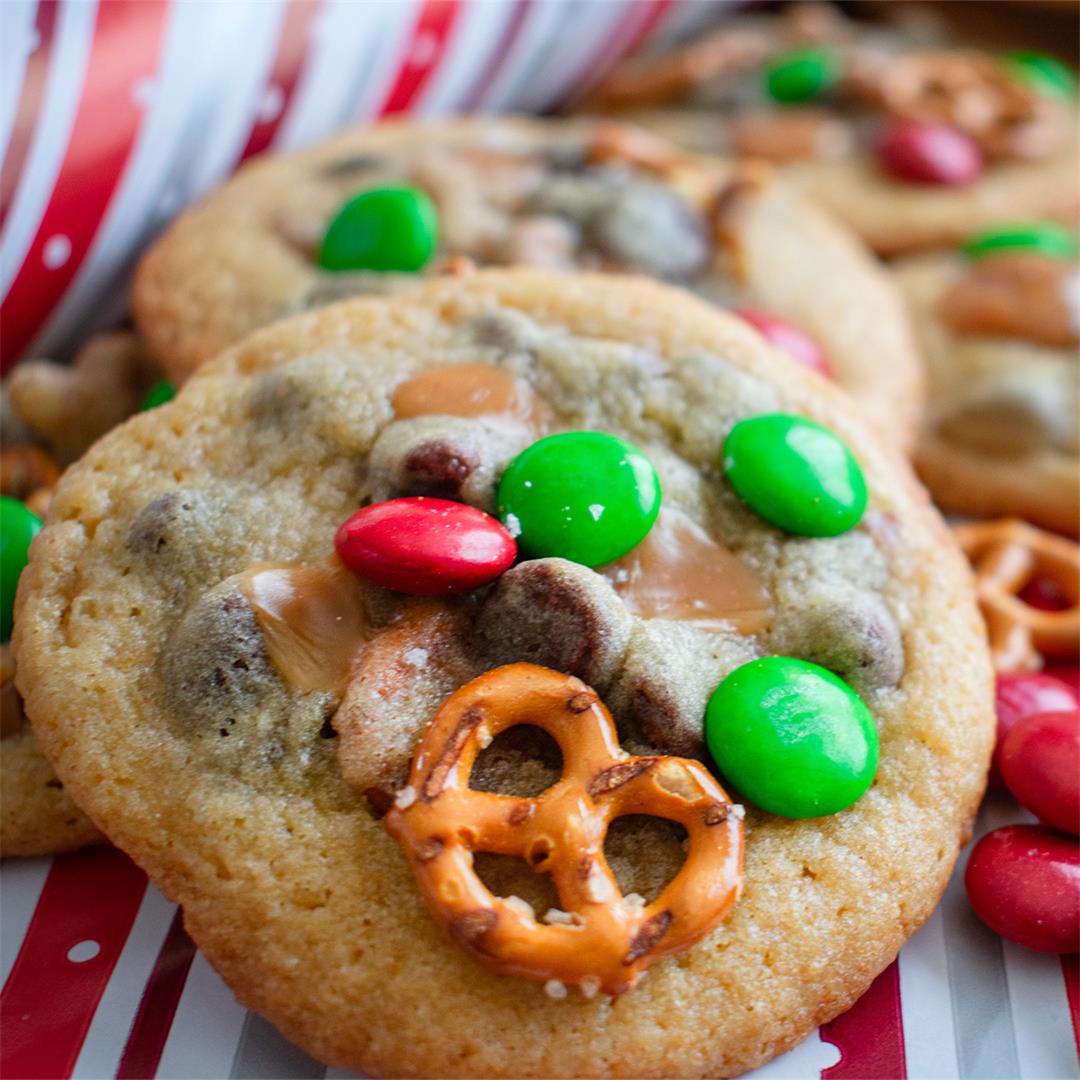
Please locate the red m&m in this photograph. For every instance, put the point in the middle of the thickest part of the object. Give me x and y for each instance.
(1040, 763)
(427, 547)
(799, 345)
(929, 154)
(1020, 695)
(1024, 882)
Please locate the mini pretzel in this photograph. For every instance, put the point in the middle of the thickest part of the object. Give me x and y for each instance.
(1006, 555)
(605, 942)
(28, 474)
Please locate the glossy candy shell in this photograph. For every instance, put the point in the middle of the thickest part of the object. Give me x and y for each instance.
(1024, 882)
(1040, 763)
(427, 547)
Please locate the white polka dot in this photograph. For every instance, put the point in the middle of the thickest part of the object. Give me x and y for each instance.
(56, 252)
(83, 951)
(272, 100)
(423, 52)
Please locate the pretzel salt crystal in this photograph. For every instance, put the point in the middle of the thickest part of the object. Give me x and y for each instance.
(609, 941)
(1006, 555)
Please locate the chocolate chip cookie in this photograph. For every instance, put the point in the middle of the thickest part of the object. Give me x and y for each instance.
(209, 657)
(554, 194)
(914, 144)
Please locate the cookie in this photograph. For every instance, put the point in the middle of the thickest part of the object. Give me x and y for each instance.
(37, 817)
(999, 335)
(912, 144)
(240, 735)
(554, 194)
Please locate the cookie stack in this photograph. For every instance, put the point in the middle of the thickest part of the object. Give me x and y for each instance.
(522, 646)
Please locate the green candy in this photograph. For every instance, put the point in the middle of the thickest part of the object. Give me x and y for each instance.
(18, 526)
(583, 495)
(792, 737)
(1044, 74)
(388, 228)
(795, 474)
(1042, 237)
(157, 395)
(801, 74)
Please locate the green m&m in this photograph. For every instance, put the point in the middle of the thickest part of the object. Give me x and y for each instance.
(384, 229)
(792, 737)
(582, 495)
(1044, 74)
(157, 395)
(18, 526)
(801, 74)
(795, 474)
(1039, 237)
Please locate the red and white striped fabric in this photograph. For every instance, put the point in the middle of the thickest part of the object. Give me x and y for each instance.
(116, 113)
(100, 980)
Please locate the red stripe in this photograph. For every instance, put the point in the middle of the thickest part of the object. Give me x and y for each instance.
(30, 99)
(285, 75)
(49, 1000)
(150, 1029)
(1070, 970)
(427, 44)
(641, 20)
(127, 38)
(500, 54)
(870, 1035)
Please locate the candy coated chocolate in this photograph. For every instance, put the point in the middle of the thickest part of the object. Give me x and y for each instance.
(582, 495)
(801, 74)
(427, 547)
(1024, 882)
(795, 474)
(1040, 763)
(1044, 74)
(1039, 237)
(384, 229)
(792, 737)
(922, 153)
(157, 395)
(18, 526)
(799, 345)
(1020, 695)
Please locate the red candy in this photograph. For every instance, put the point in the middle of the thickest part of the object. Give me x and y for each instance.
(1022, 695)
(1024, 882)
(801, 347)
(427, 547)
(929, 154)
(1040, 763)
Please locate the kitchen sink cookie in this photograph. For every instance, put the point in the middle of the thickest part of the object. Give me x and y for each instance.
(451, 659)
(998, 325)
(370, 210)
(913, 144)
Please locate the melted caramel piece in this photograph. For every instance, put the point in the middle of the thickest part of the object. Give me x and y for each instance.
(1020, 295)
(679, 572)
(312, 618)
(469, 390)
(786, 135)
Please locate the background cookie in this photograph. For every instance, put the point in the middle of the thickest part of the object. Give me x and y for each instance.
(911, 143)
(282, 871)
(1001, 434)
(556, 194)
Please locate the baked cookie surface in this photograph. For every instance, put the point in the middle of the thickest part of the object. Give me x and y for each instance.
(818, 95)
(556, 194)
(1002, 433)
(149, 675)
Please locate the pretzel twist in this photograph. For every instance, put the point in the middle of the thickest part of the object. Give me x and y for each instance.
(1006, 555)
(607, 942)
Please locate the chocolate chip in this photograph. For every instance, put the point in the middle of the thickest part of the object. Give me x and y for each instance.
(557, 614)
(348, 166)
(443, 456)
(172, 529)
